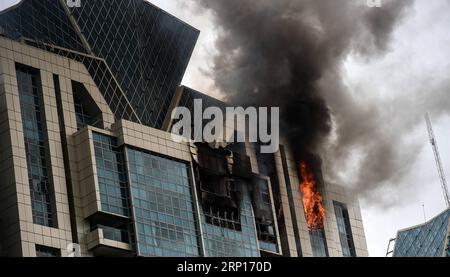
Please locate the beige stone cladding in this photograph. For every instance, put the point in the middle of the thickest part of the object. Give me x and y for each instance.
(331, 193)
(343, 195)
(20, 234)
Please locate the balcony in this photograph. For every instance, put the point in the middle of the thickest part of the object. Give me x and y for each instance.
(106, 241)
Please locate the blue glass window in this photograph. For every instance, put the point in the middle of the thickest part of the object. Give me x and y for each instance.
(163, 206)
(112, 175)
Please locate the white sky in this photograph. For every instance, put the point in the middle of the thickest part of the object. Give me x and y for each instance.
(419, 52)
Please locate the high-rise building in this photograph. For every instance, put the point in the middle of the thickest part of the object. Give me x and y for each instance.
(431, 239)
(135, 52)
(89, 168)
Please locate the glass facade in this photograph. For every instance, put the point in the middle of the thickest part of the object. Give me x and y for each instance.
(448, 246)
(43, 21)
(189, 96)
(147, 50)
(163, 206)
(428, 240)
(226, 242)
(345, 231)
(112, 175)
(228, 235)
(36, 146)
(141, 51)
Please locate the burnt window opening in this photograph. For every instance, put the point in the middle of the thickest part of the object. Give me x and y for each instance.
(225, 218)
(266, 167)
(86, 110)
(264, 215)
(266, 232)
(216, 185)
(219, 187)
(220, 201)
(242, 167)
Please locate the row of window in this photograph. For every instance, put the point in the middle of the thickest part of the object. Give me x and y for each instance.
(160, 188)
(112, 175)
(318, 239)
(37, 149)
(163, 206)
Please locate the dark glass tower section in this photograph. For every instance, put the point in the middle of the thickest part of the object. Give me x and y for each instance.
(43, 21)
(135, 52)
(147, 49)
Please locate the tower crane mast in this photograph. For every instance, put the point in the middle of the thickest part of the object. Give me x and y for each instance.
(438, 160)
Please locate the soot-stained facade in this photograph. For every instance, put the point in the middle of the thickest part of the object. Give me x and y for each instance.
(89, 167)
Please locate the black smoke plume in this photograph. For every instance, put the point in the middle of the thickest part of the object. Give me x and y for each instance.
(288, 53)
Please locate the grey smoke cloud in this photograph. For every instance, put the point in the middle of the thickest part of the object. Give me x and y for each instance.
(289, 53)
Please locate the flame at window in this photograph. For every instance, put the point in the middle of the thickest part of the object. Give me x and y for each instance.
(311, 198)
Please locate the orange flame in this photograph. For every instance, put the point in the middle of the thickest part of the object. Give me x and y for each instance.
(311, 198)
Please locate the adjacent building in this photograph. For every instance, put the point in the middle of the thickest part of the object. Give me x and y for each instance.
(135, 52)
(89, 168)
(431, 239)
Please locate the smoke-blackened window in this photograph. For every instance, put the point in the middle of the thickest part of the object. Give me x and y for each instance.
(264, 215)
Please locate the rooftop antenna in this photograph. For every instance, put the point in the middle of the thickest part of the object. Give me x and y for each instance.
(438, 160)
